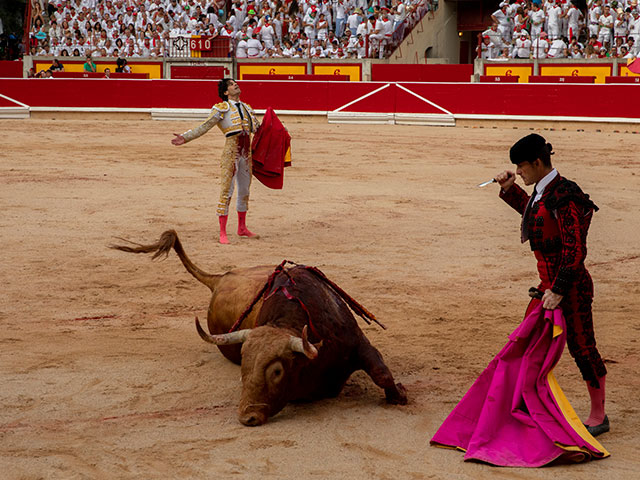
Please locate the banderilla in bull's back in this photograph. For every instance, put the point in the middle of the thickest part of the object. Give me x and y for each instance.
(289, 328)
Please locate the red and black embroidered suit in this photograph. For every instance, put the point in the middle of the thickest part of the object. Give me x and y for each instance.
(556, 227)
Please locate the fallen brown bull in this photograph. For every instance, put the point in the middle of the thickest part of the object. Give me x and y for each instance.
(299, 342)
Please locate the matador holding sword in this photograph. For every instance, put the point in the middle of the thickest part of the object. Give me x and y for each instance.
(555, 221)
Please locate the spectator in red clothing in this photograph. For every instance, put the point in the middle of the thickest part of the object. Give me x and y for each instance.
(595, 43)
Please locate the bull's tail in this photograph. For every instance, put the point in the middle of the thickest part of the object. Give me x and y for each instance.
(163, 246)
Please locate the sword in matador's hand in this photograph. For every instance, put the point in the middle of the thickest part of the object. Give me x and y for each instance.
(488, 182)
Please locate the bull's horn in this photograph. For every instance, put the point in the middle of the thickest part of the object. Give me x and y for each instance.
(224, 338)
(302, 345)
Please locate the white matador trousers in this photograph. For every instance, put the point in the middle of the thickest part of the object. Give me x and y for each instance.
(235, 168)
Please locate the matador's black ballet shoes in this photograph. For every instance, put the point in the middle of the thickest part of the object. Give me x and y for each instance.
(599, 429)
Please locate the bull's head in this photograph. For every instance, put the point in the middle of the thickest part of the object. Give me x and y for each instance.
(270, 362)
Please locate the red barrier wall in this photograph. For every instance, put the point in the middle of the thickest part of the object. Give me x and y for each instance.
(560, 100)
(184, 93)
(561, 79)
(420, 73)
(500, 78)
(128, 76)
(197, 72)
(311, 78)
(622, 79)
(89, 92)
(10, 69)
(4, 103)
(486, 100)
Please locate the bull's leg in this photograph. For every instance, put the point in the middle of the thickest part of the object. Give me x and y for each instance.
(372, 363)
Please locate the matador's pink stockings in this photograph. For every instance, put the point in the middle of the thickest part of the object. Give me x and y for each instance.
(222, 219)
(596, 417)
(243, 231)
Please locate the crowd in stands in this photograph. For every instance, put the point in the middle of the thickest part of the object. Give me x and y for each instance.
(560, 29)
(256, 28)
(11, 46)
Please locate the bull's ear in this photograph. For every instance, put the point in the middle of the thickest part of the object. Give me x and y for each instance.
(302, 345)
(310, 350)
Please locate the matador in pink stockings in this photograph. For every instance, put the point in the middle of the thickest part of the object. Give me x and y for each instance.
(237, 121)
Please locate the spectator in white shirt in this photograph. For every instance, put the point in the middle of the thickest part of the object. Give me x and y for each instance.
(354, 20)
(288, 51)
(502, 18)
(540, 46)
(557, 49)
(575, 51)
(242, 46)
(595, 11)
(494, 35)
(60, 14)
(573, 21)
(620, 26)
(253, 47)
(399, 10)
(554, 17)
(322, 27)
(487, 50)
(211, 31)
(537, 17)
(634, 30)
(523, 47)
(309, 24)
(267, 33)
(277, 27)
(341, 18)
(361, 50)
(145, 49)
(606, 26)
(631, 45)
(623, 52)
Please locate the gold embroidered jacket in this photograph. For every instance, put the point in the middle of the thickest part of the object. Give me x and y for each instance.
(231, 119)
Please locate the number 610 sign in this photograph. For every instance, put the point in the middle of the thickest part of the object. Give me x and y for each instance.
(199, 44)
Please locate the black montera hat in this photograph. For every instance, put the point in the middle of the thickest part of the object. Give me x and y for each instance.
(528, 149)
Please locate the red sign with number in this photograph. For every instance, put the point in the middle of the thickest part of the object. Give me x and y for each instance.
(201, 44)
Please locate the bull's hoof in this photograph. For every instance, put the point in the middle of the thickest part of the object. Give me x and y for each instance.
(397, 396)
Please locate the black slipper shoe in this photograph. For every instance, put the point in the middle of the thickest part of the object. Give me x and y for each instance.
(599, 429)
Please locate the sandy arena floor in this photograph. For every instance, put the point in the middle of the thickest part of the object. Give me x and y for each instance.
(104, 377)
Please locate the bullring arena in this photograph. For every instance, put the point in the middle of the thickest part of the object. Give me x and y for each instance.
(104, 376)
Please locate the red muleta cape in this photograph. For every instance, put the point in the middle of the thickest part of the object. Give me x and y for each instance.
(271, 151)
